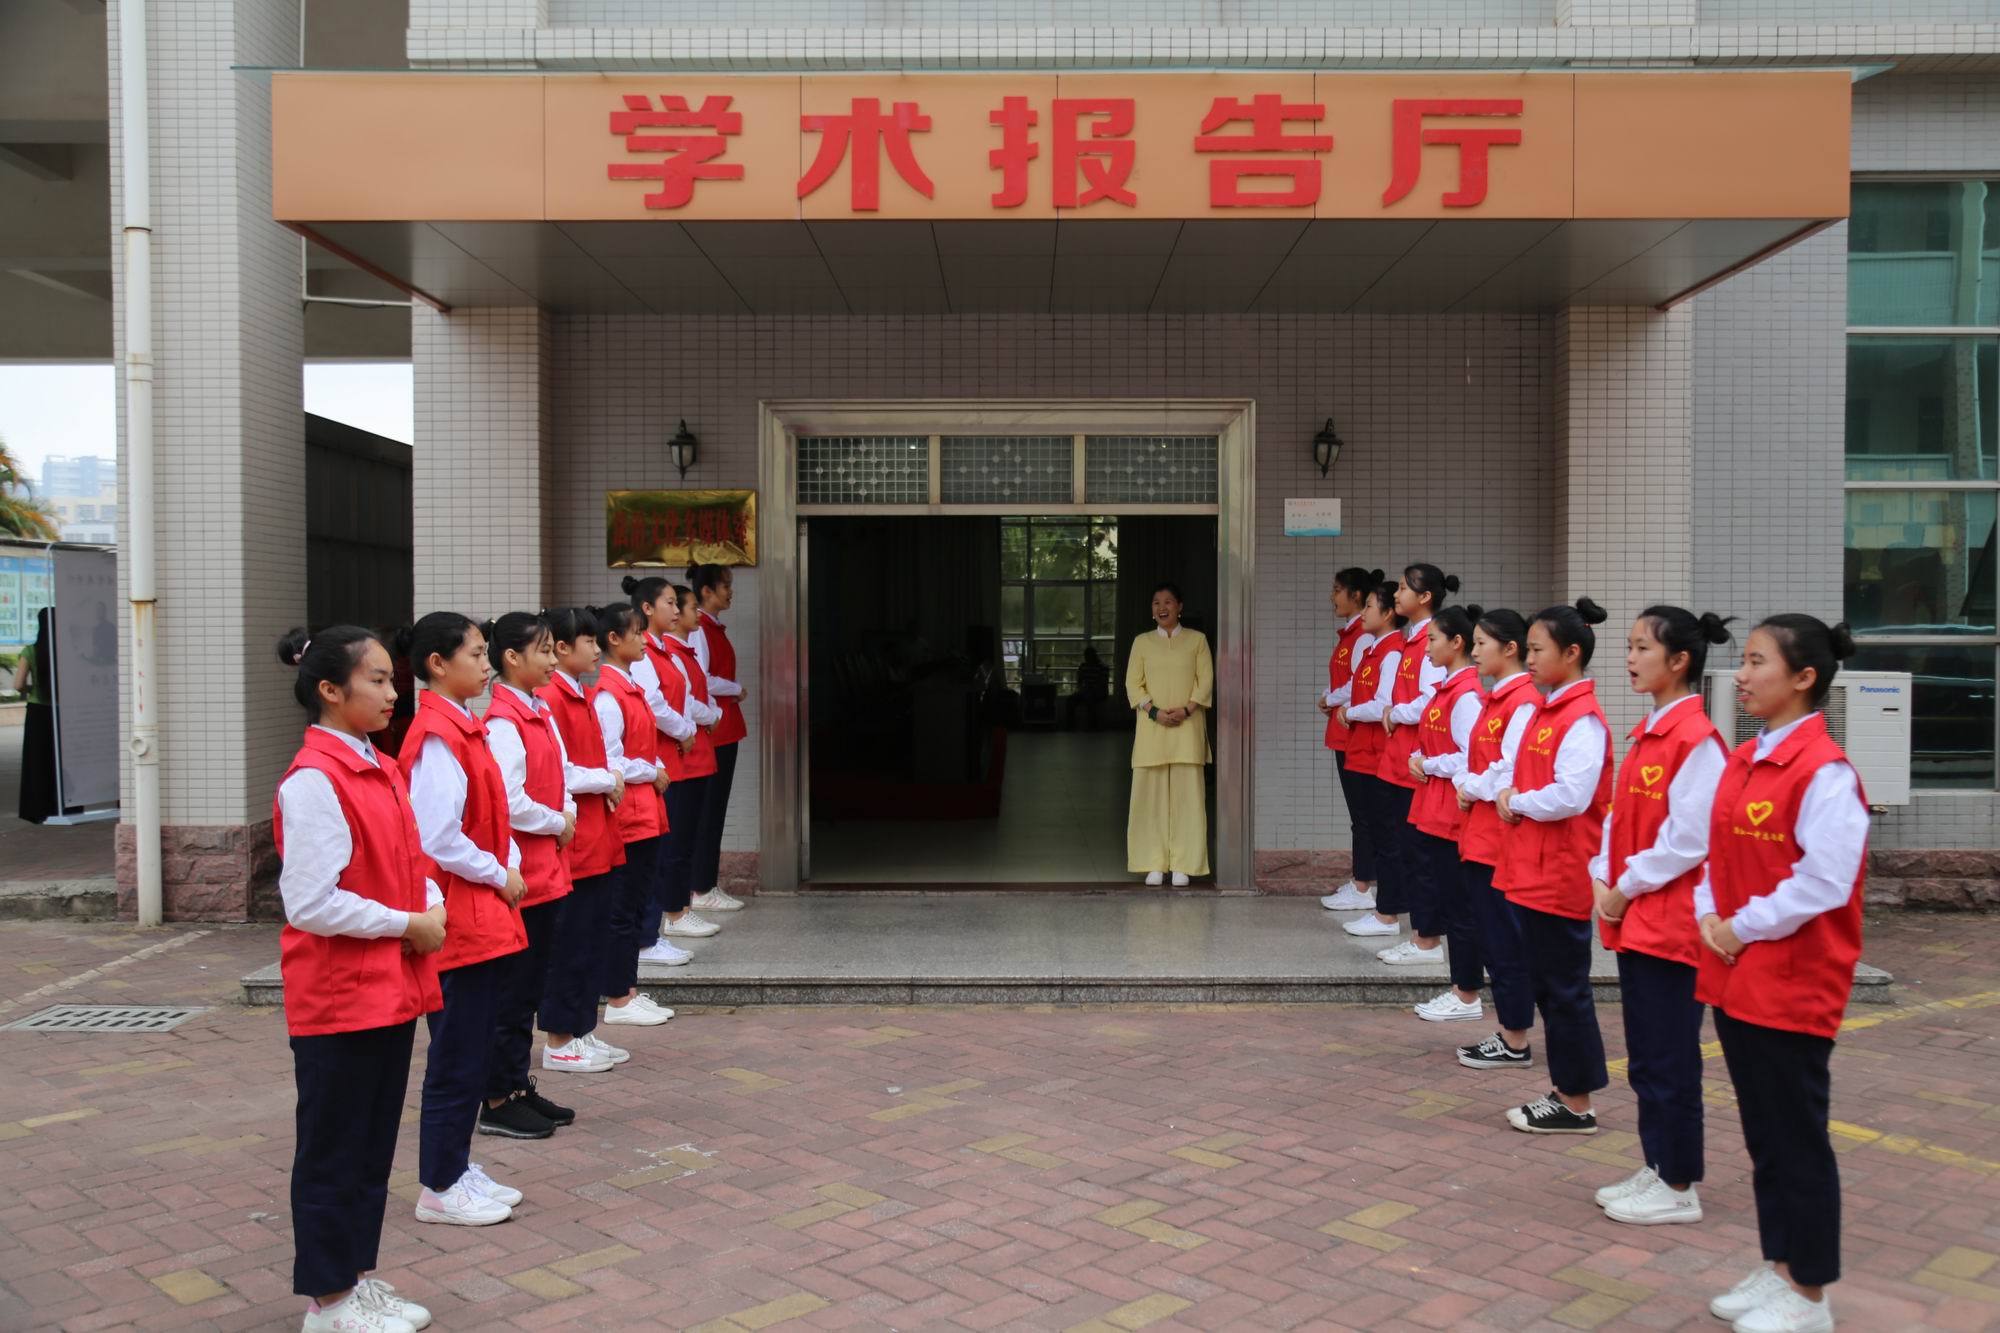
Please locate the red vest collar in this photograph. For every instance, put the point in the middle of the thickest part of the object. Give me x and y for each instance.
(1521, 682)
(1676, 717)
(432, 702)
(319, 742)
(1808, 731)
(1581, 692)
(561, 683)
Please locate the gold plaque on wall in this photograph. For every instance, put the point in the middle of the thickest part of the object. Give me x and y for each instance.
(666, 529)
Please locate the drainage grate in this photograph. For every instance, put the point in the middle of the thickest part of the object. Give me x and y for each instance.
(108, 1018)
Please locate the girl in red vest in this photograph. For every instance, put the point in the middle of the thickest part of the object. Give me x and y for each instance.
(1363, 715)
(1499, 643)
(363, 924)
(689, 759)
(461, 810)
(1780, 914)
(573, 984)
(1418, 596)
(1643, 877)
(1444, 736)
(1349, 587)
(632, 749)
(1553, 809)
(714, 593)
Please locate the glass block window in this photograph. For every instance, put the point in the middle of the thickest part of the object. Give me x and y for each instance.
(1150, 469)
(1007, 469)
(864, 469)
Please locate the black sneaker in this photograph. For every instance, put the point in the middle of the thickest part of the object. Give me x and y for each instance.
(514, 1119)
(1495, 1053)
(1547, 1115)
(543, 1107)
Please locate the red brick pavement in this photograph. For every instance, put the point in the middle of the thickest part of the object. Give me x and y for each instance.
(1166, 1168)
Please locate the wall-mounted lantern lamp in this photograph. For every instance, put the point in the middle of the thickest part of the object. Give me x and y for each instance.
(1326, 447)
(682, 446)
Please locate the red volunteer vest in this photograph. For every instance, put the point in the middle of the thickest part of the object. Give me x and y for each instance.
(597, 849)
(478, 923)
(1546, 866)
(698, 762)
(1402, 743)
(337, 983)
(1340, 670)
(1434, 809)
(641, 814)
(1660, 923)
(722, 662)
(544, 866)
(1800, 983)
(1479, 839)
(1366, 740)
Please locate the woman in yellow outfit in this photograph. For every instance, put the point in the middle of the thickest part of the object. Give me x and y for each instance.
(1170, 682)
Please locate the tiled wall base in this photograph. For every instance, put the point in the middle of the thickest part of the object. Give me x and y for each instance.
(739, 874)
(214, 872)
(1301, 871)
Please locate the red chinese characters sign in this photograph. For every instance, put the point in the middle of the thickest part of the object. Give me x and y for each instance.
(672, 529)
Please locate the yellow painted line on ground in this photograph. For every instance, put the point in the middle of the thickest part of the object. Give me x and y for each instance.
(1955, 1272)
(1982, 1000)
(1861, 1136)
(796, 1306)
(59, 1117)
(1364, 1227)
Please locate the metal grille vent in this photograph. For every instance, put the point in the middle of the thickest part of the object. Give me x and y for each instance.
(1150, 469)
(864, 469)
(108, 1018)
(1835, 708)
(1001, 469)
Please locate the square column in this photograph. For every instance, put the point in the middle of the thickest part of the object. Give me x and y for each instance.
(481, 460)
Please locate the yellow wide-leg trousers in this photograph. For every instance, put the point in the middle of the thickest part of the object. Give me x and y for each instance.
(1168, 825)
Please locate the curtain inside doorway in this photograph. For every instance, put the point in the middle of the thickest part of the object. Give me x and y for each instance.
(1164, 549)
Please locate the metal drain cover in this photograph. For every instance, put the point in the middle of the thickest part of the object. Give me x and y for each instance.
(108, 1018)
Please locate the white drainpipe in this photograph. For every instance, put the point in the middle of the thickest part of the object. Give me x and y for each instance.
(135, 179)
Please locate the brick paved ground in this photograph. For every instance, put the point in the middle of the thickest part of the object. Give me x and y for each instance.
(1225, 1167)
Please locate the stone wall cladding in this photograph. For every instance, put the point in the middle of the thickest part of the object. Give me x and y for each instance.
(209, 872)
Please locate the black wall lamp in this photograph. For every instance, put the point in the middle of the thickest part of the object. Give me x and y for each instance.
(682, 447)
(1326, 447)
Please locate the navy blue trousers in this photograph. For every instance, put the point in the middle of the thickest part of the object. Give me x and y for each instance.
(576, 956)
(1784, 1092)
(714, 809)
(1363, 828)
(687, 800)
(351, 1087)
(513, 1032)
(1422, 894)
(1451, 911)
(1502, 949)
(1391, 807)
(624, 927)
(456, 1073)
(1663, 1062)
(1559, 968)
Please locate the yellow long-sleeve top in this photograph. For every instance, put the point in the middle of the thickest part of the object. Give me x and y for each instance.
(1172, 672)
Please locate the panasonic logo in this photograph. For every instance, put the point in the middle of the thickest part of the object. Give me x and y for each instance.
(1879, 689)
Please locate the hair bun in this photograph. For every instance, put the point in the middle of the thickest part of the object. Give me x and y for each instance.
(1714, 628)
(292, 647)
(1451, 583)
(1842, 639)
(401, 641)
(630, 584)
(1375, 576)
(1474, 611)
(1592, 613)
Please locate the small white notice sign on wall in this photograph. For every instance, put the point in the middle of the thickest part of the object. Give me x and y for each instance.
(1312, 518)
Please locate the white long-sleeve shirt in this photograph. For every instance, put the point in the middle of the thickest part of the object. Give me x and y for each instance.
(318, 846)
(437, 793)
(1499, 774)
(1373, 710)
(1464, 715)
(673, 724)
(704, 714)
(1682, 842)
(524, 813)
(719, 687)
(578, 780)
(611, 726)
(1334, 698)
(1429, 676)
(1580, 761)
(1832, 835)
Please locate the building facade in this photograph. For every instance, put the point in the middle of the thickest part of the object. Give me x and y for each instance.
(1784, 410)
(83, 495)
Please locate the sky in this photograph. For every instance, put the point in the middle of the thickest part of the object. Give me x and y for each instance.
(70, 410)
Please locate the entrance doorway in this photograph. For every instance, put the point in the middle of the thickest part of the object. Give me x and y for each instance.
(966, 719)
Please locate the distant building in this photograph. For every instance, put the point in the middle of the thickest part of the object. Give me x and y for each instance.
(83, 495)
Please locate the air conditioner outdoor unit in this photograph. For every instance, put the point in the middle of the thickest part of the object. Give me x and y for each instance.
(1867, 712)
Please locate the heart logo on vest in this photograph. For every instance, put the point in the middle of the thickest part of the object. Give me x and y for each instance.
(1340, 656)
(1651, 774)
(1759, 811)
(1542, 736)
(1493, 725)
(1435, 714)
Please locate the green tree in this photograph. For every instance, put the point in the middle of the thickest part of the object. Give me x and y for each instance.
(21, 515)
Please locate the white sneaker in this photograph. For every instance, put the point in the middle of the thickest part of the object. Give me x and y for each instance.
(690, 925)
(384, 1298)
(1748, 1294)
(1448, 1008)
(1180, 880)
(1659, 1204)
(715, 900)
(617, 1055)
(355, 1313)
(575, 1056)
(654, 1005)
(1789, 1312)
(491, 1188)
(1156, 879)
(662, 952)
(1371, 924)
(461, 1206)
(1637, 1183)
(637, 1012)
(1347, 898)
(1407, 954)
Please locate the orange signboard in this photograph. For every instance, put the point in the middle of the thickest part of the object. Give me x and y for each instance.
(582, 147)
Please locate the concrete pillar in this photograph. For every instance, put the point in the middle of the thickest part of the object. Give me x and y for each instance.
(1624, 474)
(481, 460)
(230, 441)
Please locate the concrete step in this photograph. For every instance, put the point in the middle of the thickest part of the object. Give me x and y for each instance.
(1019, 948)
(48, 899)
